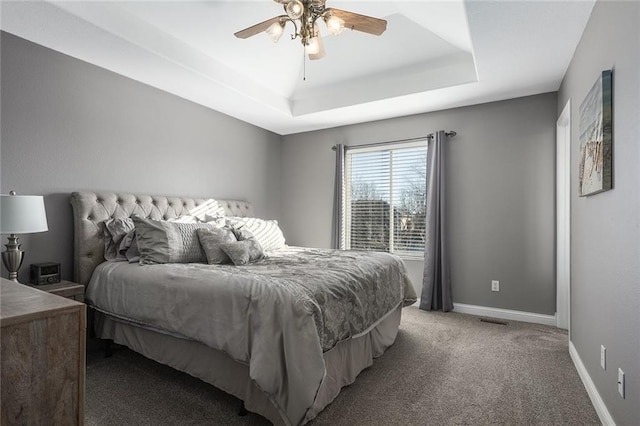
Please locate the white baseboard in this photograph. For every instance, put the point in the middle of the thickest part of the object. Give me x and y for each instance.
(506, 314)
(596, 400)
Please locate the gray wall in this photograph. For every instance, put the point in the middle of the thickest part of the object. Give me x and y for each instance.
(605, 235)
(501, 169)
(69, 126)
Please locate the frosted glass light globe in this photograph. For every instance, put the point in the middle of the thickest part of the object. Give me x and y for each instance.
(294, 9)
(275, 31)
(335, 25)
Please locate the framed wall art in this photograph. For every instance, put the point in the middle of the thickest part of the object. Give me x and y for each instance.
(596, 138)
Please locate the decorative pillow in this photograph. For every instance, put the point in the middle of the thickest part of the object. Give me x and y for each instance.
(243, 252)
(208, 211)
(246, 250)
(267, 232)
(128, 249)
(211, 239)
(242, 234)
(187, 218)
(169, 242)
(218, 221)
(114, 231)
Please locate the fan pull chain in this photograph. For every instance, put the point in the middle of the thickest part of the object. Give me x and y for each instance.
(304, 66)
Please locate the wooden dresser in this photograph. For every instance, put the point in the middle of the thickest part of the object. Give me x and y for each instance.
(42, 364)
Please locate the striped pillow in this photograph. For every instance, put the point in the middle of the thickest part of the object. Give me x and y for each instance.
(267, 232)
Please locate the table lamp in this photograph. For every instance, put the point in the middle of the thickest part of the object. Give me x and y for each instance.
(19, 214)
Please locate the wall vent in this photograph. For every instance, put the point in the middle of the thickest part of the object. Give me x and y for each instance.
(494, 321)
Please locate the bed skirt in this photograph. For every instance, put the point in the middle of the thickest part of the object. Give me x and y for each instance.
(343, 362)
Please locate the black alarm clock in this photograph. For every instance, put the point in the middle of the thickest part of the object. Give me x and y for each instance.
(45, 273)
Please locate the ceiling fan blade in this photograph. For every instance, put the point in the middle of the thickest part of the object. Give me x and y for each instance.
(321, 51)
(355, 21)
(259, 28)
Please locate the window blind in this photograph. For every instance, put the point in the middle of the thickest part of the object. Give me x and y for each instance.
(385, 192)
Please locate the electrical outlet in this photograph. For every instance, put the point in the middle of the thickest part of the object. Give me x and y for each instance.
(603, 357)
(495, 285)
(621, 382)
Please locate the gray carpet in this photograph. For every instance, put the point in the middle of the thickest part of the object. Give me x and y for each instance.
(444, 369)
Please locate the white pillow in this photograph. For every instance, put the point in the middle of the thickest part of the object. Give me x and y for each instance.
(186, 218)
(267, 232)
(208, 211)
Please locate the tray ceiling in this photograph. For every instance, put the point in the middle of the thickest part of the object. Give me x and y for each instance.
(434, 55)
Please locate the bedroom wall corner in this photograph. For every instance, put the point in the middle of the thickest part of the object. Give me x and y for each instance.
(70, 126)
(605, 230)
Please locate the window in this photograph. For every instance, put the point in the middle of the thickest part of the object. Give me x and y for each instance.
(385, 193)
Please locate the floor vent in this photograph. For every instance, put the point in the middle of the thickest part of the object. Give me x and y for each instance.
(494, 321)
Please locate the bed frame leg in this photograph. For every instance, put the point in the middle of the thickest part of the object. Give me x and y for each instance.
(243, 411)
(108, 348)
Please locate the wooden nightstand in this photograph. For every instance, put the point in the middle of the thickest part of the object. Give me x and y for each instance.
(42, 359)
(68, 289)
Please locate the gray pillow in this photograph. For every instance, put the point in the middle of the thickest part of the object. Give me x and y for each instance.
(211, 239)
(243, 234)
(128, 249)
(243, 252)
(114, 232)
(169, 242)
(246, 250)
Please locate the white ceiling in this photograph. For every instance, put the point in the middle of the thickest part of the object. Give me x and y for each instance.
(434, 55)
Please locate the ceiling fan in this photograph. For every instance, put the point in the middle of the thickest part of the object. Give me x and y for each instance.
(304, 14)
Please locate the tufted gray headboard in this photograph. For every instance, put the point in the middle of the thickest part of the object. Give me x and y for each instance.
(91, 209)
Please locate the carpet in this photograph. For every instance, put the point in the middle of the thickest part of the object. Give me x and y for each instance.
(444, 369)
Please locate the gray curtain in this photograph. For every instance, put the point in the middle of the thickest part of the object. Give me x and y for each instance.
(338, 197)
(436, 284)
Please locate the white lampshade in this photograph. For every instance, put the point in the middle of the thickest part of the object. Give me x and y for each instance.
(22, 214)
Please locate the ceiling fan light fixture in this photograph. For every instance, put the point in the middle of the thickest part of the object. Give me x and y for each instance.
(294, 9)
(275, 31)
(313, 46)
(335, 24)
(304, 16)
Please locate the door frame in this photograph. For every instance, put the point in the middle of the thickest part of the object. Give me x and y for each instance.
(563, 219)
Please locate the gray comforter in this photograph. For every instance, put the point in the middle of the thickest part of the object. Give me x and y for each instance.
(277, 316)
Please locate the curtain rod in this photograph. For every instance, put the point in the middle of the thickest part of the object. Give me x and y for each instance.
(450, 134)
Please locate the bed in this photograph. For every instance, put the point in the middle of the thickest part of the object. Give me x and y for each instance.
(283, 334)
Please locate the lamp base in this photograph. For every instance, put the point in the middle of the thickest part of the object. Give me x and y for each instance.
(13, 257)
